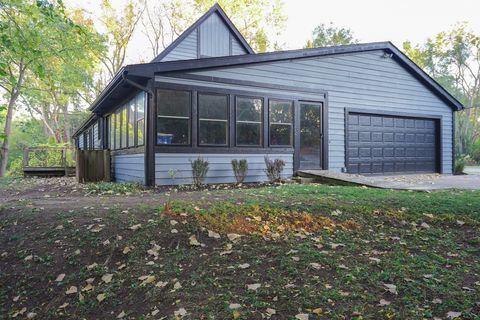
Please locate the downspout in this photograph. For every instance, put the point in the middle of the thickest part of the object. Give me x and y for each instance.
(134, 84)
(149, 145)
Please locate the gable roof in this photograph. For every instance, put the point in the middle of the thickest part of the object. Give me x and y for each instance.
(215, 9)
(229, 61)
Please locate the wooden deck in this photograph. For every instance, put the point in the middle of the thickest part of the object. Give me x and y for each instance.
(48, 171)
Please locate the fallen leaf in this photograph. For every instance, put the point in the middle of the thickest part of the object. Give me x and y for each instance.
(101, 297)
(91, 266)
(253, 286)
(425, 225)
(391, 288)
(147, 280)
(135, 227)
(107, 278)
(161, 284)
(316, 266)
(31, 315)
(60, 277)
(72, 290)
(271, 311)
(177, 285)
(180, 312)
(236, 314)
(121, 315)
(126, 250)
(244, 266)
(88, 287)
(233, 237)
(213, 234)
(301, 316)
(63, 306)
(453, 314)
(234, 306)
(194, 241)
(437, 301)
(28, 258)
(383, 302)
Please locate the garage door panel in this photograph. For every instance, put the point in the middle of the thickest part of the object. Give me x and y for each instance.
(391, 144)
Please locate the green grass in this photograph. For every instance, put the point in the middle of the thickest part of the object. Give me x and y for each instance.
(335, 272)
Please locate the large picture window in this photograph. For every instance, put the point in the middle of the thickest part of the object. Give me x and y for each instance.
(213, 119)
(131, 122)
(111, 132)
(140, 100)
(280, 115)
(248, 115)
(173, 117)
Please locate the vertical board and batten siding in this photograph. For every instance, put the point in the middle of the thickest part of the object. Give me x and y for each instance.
(365, 81)
(220, 168)
(128, 168)
(237, 48)
(214, 37)
(187, 49)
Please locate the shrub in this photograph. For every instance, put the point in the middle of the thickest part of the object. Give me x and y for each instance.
(274, 169)
(240, 168)
(199, 171)
(459, 165)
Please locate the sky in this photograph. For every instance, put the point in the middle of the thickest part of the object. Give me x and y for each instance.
(370, 20)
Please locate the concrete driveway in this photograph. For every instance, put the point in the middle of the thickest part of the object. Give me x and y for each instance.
(422, 182)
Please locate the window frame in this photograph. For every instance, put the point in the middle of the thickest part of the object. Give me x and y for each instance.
(189, 118)
(262, 121)
(227, 120)
(292, 134)
(140, 96)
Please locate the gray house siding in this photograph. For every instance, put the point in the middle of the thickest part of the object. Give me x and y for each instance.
(128, 168)
(187, 49)
(365, 81)
(237, 48)
(220, 168)
(214, 37)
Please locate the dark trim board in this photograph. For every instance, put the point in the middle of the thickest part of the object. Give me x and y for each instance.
(438, 136)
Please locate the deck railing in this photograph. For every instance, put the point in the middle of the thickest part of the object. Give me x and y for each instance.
(48, 161)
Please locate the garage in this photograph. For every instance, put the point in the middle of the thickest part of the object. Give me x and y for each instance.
(391, 144)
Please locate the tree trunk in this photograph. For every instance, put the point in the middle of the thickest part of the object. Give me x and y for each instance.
(14, 94)
(8, 127)
(66, 125)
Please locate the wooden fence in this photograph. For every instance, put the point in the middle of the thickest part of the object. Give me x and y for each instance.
(93, 166)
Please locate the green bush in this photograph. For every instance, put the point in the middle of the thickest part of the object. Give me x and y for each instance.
(113, 188)
(240, 168)
(459, 165)
(16, 168)
(199, 171)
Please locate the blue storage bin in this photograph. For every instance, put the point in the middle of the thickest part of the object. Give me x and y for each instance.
(163, 138)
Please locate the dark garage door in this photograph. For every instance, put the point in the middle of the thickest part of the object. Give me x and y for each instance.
(390, 144)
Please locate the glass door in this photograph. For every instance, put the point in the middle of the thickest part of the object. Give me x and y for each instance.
(310, 135)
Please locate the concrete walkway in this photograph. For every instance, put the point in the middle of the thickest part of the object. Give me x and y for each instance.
(421, 182)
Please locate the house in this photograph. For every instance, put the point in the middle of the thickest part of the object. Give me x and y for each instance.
(362, 108)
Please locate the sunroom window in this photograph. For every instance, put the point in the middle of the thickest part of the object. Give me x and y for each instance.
(213, 119)
(248, 115)
(280, 116)
(173, 117)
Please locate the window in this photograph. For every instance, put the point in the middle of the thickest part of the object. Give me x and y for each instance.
(280, 114)
(131, 122)
(117, 128)
(111, 131)
(123, 130)
(140, 100)
(213, 119)
(248, 113)
(173, 117)
(99, 131)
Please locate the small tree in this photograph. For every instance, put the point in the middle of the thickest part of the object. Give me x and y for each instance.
(199, 171)
(274, 169)
(240, 168)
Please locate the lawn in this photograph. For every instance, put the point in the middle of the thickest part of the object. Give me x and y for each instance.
(278, 252)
